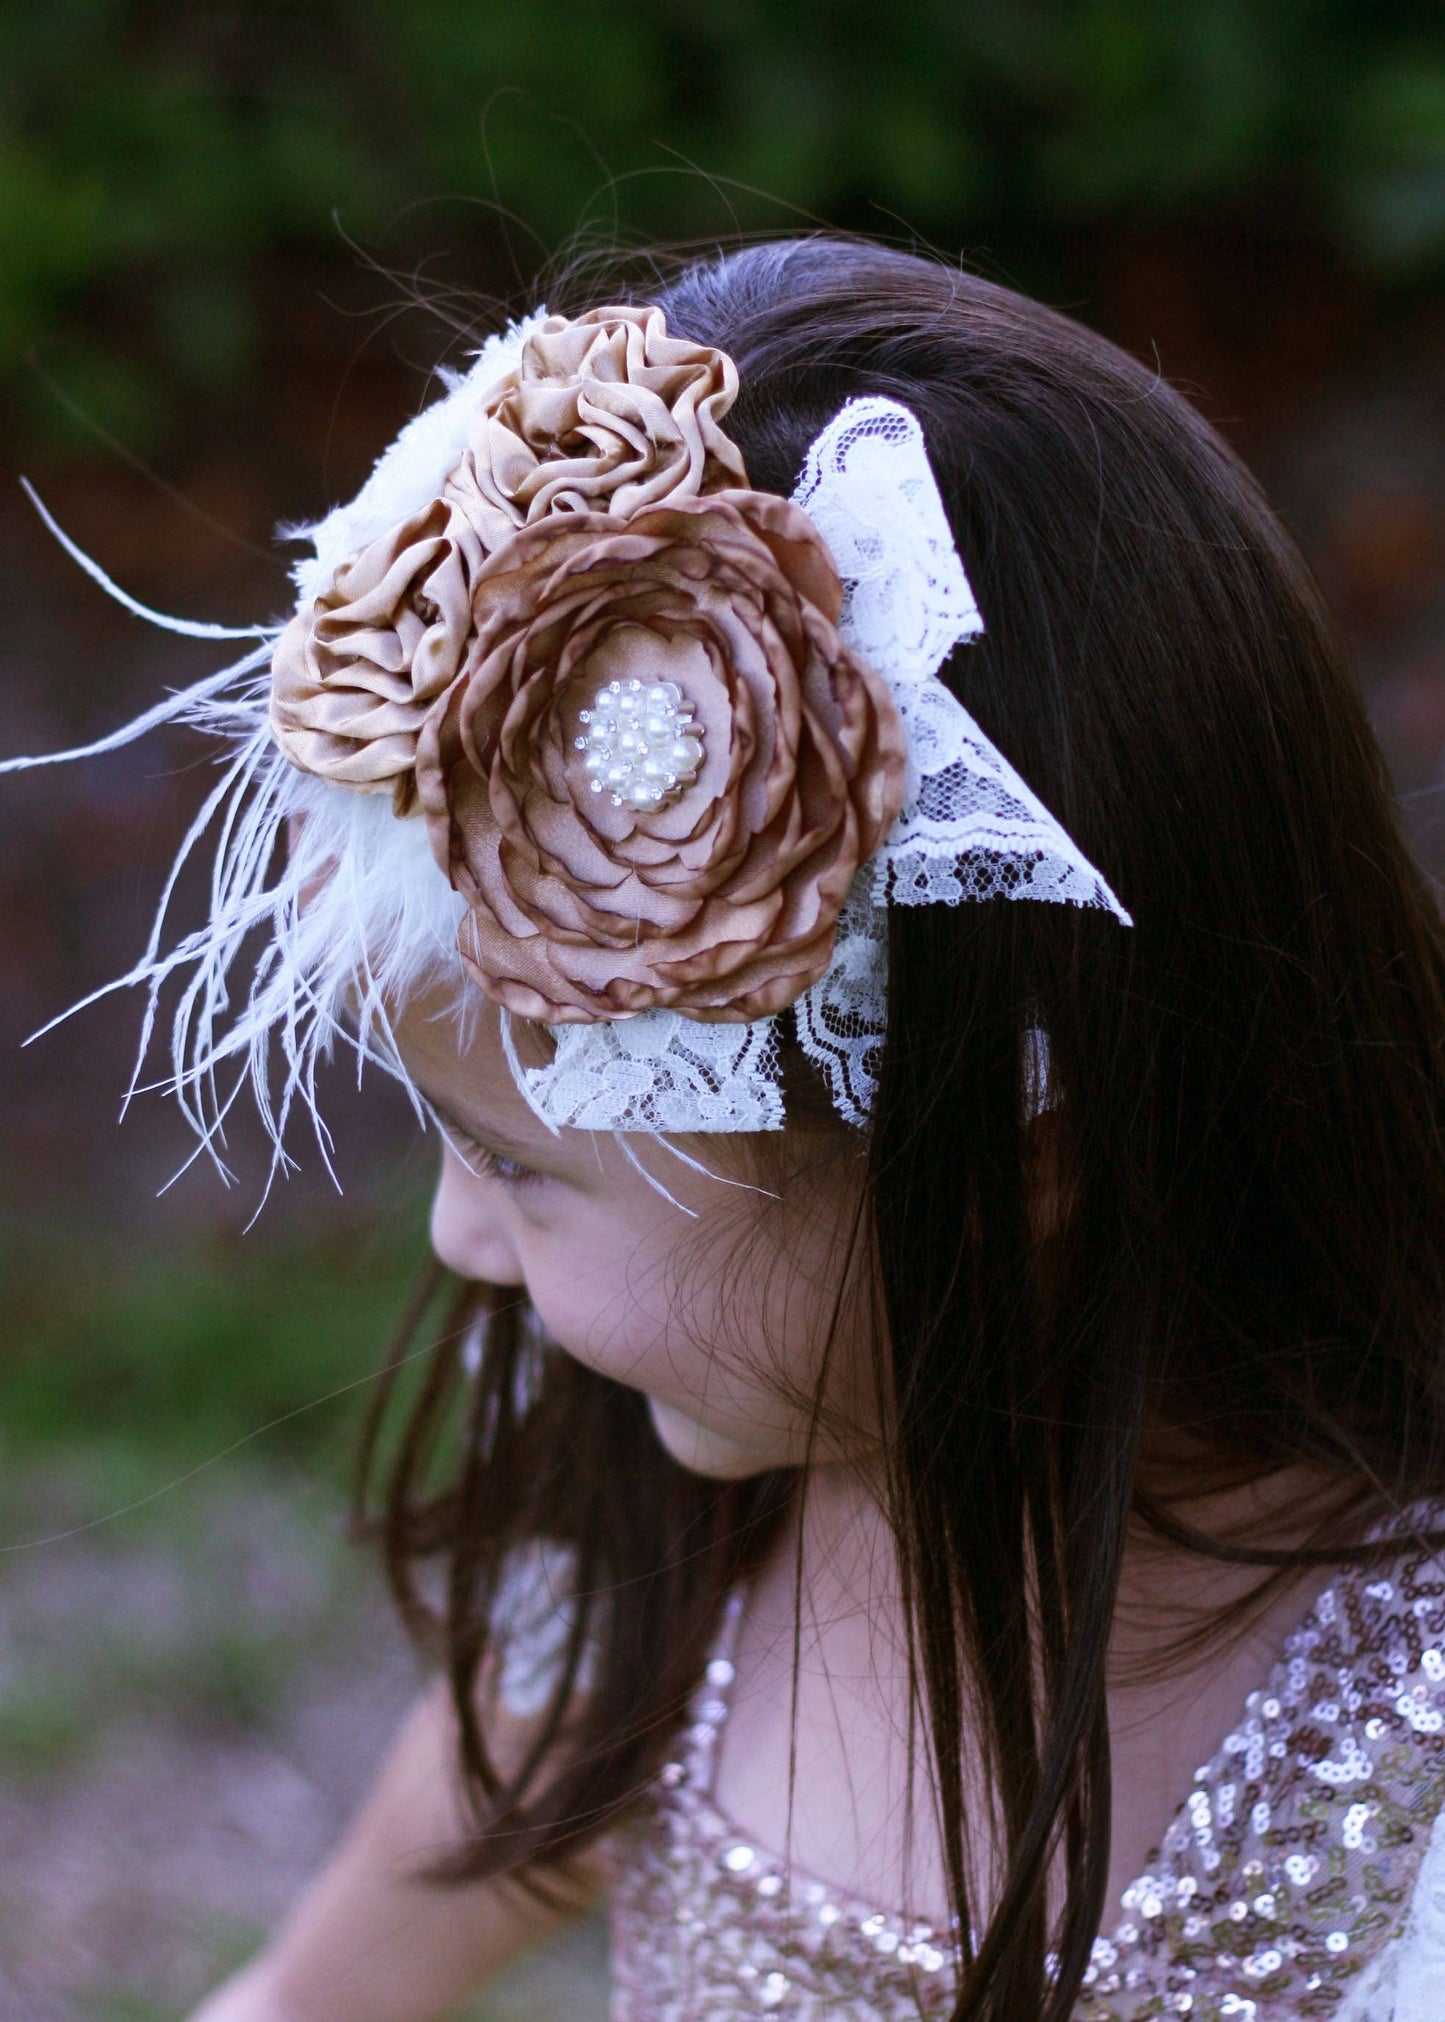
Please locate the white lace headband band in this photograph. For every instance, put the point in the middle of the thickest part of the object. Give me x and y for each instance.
(572, 718)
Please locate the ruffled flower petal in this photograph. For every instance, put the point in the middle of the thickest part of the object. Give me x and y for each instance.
(722, 903)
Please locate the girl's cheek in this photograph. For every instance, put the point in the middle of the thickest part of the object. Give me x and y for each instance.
(617, 1320)
(588, 1309)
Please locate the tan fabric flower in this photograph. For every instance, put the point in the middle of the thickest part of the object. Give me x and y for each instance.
(724, 901)
(605, 413)
(357, 669)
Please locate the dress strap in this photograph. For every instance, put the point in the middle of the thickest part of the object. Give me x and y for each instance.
(713, 1698)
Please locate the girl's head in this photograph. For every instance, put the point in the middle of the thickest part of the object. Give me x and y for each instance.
(1125, 1194)
(1158, 1121)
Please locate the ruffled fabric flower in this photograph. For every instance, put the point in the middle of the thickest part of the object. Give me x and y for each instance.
(722, 901)
(357, 669)
(605, 413)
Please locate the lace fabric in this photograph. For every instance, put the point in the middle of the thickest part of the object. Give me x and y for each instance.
(1303, 1877)
(970, 827)
(659, 1072)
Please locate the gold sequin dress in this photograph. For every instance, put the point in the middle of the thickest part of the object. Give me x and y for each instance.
(1303, 1876)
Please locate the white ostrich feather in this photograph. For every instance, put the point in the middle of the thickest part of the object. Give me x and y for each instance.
(379, 920)
(377, 926)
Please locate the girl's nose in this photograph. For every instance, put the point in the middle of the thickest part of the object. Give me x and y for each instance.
(468, 1225)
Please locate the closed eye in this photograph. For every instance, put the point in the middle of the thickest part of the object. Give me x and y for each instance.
(489, 1164)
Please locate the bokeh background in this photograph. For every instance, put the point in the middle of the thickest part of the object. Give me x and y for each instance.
(235, 241)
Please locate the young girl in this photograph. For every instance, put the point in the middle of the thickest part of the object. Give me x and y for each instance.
(938, 1458)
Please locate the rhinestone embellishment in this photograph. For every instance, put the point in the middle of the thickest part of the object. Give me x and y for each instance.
(641, 744)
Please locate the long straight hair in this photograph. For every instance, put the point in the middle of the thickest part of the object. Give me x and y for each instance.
(1246, 1251)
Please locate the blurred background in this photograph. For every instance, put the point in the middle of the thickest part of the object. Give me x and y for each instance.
(235, 241)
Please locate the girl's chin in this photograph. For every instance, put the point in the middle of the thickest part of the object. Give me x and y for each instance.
(705, 1450)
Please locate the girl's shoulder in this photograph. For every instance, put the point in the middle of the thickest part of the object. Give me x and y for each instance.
(1305, 1871)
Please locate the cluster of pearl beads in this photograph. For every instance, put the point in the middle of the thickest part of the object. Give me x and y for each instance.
(641, 744)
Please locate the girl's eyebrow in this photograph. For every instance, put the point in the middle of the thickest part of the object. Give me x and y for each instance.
(486, 1135)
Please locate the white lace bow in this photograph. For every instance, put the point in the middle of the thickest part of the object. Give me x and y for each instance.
(969, 828)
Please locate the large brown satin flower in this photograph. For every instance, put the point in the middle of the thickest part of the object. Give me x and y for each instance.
(356, 670)
(605, 413)
(722, 903)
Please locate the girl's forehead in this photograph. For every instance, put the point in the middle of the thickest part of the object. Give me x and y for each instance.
(458, 1063)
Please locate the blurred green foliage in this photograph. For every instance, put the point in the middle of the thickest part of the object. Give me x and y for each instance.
(143, 1360)
(152, 157)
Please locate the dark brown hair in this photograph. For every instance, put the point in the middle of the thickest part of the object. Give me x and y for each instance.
(1247, 1121)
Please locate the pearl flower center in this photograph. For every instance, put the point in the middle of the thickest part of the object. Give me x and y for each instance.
(641, 744)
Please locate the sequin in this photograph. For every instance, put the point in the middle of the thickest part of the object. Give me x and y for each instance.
(1352, 1831)
(1288, 1866)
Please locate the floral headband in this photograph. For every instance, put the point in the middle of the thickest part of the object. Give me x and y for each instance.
(571, 718)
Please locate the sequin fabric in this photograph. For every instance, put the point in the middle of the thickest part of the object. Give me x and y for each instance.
(1286, 1873)
(707, 1927)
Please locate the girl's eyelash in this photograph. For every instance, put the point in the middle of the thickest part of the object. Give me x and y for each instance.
(494, 1164)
